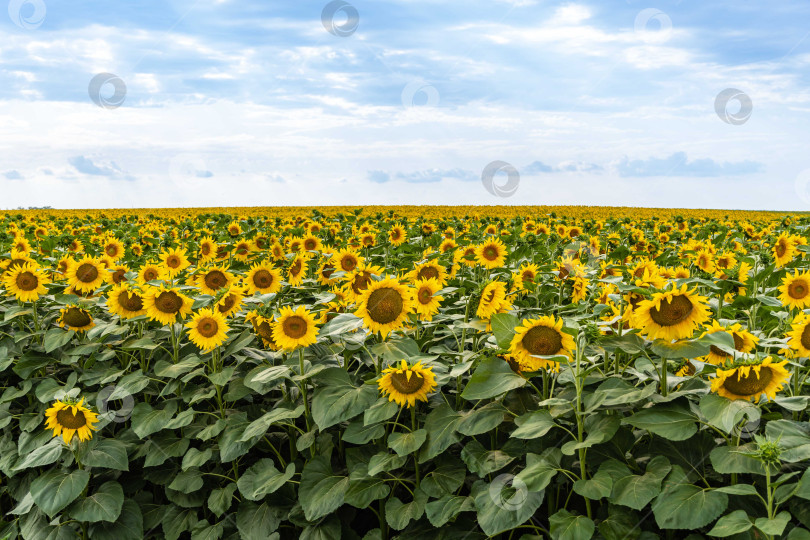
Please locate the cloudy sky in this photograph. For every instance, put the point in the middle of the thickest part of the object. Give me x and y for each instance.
(255, 102)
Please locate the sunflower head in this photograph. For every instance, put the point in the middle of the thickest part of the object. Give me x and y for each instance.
(540, 337)
(68, 417)
(207, 329)
(405, 384)
(75, 318)
(747, 379)
(384, 306)
(295, 328)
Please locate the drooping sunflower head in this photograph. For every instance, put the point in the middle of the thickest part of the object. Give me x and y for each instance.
(673, 314)
(263, 327)
(543, 336)
(795, 290)
(207, 329)
(68, 417)
(492, 299)
(406, 384)
(26, 282)
(125, 301)
(295, 328)
(750, 379)
(744, 342)
(232, 300)
(384, 306)
(75, 318)
(800, 335)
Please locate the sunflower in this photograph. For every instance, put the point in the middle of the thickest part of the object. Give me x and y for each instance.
(360, 279)
(86, 275)
(397, 235)
(295, 328)
(673, 314)
(705, 261)
(405, 384)
(297, 270)
(76, 245)
(75, 318)
(425, 300)
(207, 249)
(491, 254)
(429, 270)
(213, 279)
(150, 272)
(528, 273)
(116, 273)
(580, 289)
(800, 335)
(795, 290)
(174, 260)
(114, 249)
(744, 342)
(263, 327)
(207, 329)
(263, 278)
(751, 379)
(492, 299)
(783, 250)
(384, 306)
(242, 250)
(540, 337)
(125, 301)
(71, 417)
(26, 282)
(312, 243)
(231, 301)
(347, 260)
(165, 305)
(234, 229)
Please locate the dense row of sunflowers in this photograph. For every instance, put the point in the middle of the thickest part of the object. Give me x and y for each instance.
(176, 373)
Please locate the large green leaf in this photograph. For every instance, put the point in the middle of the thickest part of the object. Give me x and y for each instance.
(636, 491)
(103, 505)
(398, 514)
(734, 523)
(262, 478)
(55, 489)
(504, 504)
(447, 507)
(482, 420)
(441, 426)
(128, 526)
(567, 526)
(533, 425)
(503, 327)
(257, 521)
(321, 491)
(104, 453)
(686, 506)
(493, 377)
(337, 399)
(669, 420)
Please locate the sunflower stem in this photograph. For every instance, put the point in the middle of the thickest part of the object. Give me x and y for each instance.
(415, 454)
(664, 377)
(307, 414)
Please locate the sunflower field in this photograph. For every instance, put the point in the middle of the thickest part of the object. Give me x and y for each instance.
(386, 372)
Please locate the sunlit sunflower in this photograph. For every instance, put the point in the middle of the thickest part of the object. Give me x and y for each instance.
(800, 335)
(298, 269)
(231, 301)
(384, 306)
(359, 280)
(207, 249)
(744, 342)
(114, 249)
(174, 260)
(312, 243)
(705, 261)
(425, 300)
(68, 418)
(207, 329)
(150, 272)
(347, 260)
(543, 336)
(213, 279)
(277, 251)
(26, 283)
(242, 250)
(795, 290)
(580, 289)
(75, 318)
(673, 314)
(295, 328)
(491, 254)
(76, 246)
(405, 384)
(116, 273)
(125, 301)
(263, 327)
(397, 235)
(86, 275)
(528, 274)
(783, 250)
(263, 278)
(165, 305)
(750, 379)
(492, 299)
(234, 229)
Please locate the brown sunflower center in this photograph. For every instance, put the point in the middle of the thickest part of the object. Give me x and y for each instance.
(173, 261)
(205, 249)
(348, 264)
(542, 341)
(27, 281)
(265, 331)
(738, 344)
(805, 339)
(261, 242)
(527, 276)
(168, 302)
(87, 273)
(428, 272)
(118, 276)
(395, 234)
(226, 303)
(242, 249)
(68, 420)
(425, 295)
(798, 289)
(361, 282)
(384, 305)
(263, 279)
(207, 327)
(295, 269)
(781, 248)
(750, 384)
(149, 274)
(490, 253)
(111, 250)
(310, 244)
(131, 301)
(673, 312)
(490, 296)
(76, 317)
(403, 385)
(327, 271)
(215, 280)
(295, 327)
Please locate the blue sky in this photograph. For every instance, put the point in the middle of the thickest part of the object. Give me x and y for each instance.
(255, 103)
